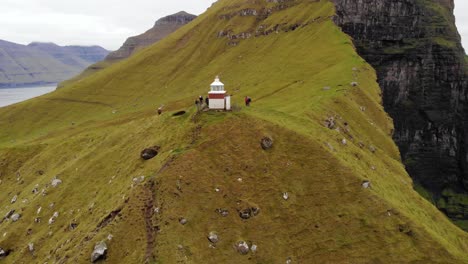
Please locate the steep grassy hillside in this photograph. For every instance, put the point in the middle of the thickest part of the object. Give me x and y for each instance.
(161, 29)
(298, 68)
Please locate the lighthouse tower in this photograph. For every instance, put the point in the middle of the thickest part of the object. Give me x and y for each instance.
(217, 95)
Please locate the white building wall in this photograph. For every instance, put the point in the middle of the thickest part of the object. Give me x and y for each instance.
(228, 103)
(216, 103)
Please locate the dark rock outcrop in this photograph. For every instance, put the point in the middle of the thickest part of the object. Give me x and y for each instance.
(415, 48)
(4, 253)
(150, 153)
(99, 252)
(162, 28)
(266, 143)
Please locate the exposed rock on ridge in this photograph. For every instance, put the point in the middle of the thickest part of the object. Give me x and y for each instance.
(161, 29)
(415, 48)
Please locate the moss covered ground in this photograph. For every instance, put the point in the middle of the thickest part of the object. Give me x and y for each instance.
(90, 134)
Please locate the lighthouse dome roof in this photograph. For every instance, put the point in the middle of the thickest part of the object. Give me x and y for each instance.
(217, 82)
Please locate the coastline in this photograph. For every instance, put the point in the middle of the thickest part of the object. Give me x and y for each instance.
(28, 85)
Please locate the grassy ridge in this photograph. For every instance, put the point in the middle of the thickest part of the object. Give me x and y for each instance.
(90, 135)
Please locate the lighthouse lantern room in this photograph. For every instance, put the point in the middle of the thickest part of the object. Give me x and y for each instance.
(217, 96)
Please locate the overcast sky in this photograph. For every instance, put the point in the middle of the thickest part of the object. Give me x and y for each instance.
(107, 22)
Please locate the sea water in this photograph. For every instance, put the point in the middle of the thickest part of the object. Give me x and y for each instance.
(9, 96)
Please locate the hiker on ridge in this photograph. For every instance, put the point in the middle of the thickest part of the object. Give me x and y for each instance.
(248, 100)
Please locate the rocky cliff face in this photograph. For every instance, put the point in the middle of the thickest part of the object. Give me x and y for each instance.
(161, 29)
(415, 48)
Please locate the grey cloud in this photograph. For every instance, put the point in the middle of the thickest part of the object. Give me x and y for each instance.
(107, 22)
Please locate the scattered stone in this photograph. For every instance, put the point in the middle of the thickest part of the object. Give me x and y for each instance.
(405, 229)
(138, 180)
(286, 196)
(253, 248)
(53, 218)
(239, 179)
(31, 247)
(266, 143)
(73, 226)
(354, 84)
(182, 221)
(13, 200)
(37, 220)
(180, 247)
(36, 189)
(245, 214)
(39, 210)
(223, 212)
(15, 217)
(150, 153)
(366, 184)
(9, 214)
(100, 251)
(56, 182)
(110, 237)
(180, 113)
(255, 211)
(213, 237)
(288, 260)
(217, 189)
(249, 212)
(372, 149)
(157, 210)
(330, 122)
(344, 141)
(242, 247)
(4, 253)
(362, 108)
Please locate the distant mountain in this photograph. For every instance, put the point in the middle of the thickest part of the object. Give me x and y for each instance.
(43, 63)
(162, 28)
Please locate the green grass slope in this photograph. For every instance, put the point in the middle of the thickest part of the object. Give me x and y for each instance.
(90, 134)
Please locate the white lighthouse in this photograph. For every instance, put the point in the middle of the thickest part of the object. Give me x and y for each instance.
(217, 96)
